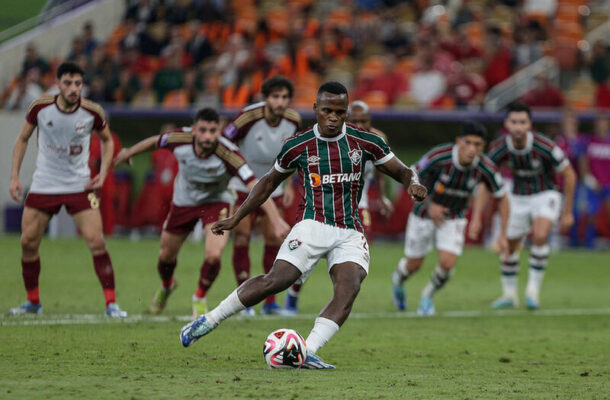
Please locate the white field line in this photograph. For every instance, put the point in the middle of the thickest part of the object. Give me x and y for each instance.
(85, 319)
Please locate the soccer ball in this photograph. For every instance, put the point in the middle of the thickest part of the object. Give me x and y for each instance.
(284, 348)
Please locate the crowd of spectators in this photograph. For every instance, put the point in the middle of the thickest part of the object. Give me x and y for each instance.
(177, 53)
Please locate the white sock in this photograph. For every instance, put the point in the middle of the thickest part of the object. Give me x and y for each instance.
(321, 333)
(538, 259)
(510, 269)
(401, 273)
(438, 279)
(229, 306)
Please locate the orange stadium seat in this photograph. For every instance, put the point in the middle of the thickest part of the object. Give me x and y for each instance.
(372, 67)
(376, 99)
(176, 99)
(405, 66)
(475, 31)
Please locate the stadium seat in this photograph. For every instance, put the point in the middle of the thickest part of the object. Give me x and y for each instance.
(176, 99)
(376, 99)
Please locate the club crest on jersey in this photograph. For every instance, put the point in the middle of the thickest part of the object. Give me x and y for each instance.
(79, 126)
(313, 160)
(355, 155)
(293, 244)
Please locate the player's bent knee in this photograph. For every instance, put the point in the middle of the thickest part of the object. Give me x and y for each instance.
(212, 258)
(167, 255)
(29, 244)
(241, 240)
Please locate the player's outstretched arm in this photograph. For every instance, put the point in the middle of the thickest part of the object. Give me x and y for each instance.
(257, 196)
(405, 175)
(21, 146)
(140, 147)
(107, 151)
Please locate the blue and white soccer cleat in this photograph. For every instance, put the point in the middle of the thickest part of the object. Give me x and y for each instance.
(292, 304)
(194, 330)
(426, 307)
(114, 311)
(313, 361)
(275, 309)
(531, 303)
(26, 308)
(399, 297)
(504, 302)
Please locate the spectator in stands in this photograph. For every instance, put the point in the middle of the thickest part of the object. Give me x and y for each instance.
(200, 47)
(169, 77)
(97, 90)
(33, 60)
(498, 58)
(465, 87)
(460, 45)
(142, 11)
(599, 62)
(89, 38)
(528, 49)
(28, 89)
(124, 87)
(146, 97)
(387, 81)
(596, 176)
(544, 94)
(427, 84)
(78, 48)
(233, 60)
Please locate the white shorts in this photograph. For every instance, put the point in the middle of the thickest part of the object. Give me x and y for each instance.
(310, 240)
(525, 209)
(422, 235)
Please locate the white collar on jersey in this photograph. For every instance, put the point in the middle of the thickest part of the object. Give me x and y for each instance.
(456, 160)
(332, 139)
(529, 140)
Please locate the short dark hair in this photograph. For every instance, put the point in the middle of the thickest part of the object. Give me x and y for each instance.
(332, 87)
(207, 114)
(69, 68)
(519, 106)
(277, 82)
(473, 128)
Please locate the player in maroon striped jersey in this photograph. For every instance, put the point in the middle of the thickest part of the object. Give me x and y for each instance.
(535, 204)
(329, 159)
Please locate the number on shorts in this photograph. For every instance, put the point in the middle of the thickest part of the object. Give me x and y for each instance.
(93, 200)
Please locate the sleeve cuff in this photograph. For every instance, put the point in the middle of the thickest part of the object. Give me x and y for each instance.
(282, 170)
(562, 165)
(384, 159)
(500, 193)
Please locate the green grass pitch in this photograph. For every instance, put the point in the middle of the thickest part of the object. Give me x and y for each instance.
(466, 352)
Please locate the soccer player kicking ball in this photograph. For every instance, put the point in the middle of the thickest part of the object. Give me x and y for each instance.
(450, 172)
(206, 163)
(260, 130)
(62, 178)
(329, 158)
(358, 113)
(535, 203)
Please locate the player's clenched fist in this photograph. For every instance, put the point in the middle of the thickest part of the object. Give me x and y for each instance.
(417, 191)
(223, 225)
(16, 189)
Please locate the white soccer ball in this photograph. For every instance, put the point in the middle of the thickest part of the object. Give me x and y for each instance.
(284, 348)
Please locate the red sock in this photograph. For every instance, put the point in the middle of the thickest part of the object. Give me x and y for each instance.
(30, 270)
(166, 272)
(241, 264)
(207, 276)
(105, 273)
(269, 254)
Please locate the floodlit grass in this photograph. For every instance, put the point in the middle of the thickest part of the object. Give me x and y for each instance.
(14, 12)
(379, 353)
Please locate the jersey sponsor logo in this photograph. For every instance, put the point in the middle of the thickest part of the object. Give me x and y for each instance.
(79, 126)
(313, 160)
(317, 180)
(76, 149)
(355, 155)
(442, 189)
(294, 244)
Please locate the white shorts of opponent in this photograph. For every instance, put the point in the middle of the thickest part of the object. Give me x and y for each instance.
(525, 209)
(422, 235)
(310, 240)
